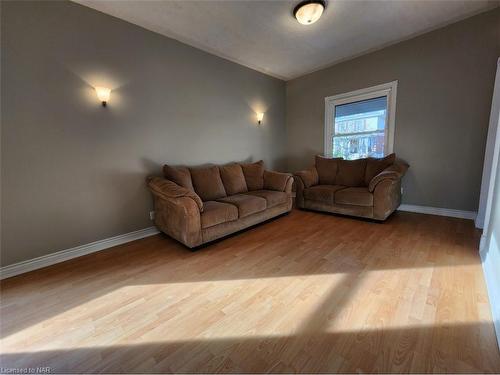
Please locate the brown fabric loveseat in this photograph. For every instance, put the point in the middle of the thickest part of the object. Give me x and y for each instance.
(369, 188)
(201, 204)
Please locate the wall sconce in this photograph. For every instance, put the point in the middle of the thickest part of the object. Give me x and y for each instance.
(103, 94)
(260, 116)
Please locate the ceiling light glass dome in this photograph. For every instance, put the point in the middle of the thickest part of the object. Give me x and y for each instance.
(308, 12)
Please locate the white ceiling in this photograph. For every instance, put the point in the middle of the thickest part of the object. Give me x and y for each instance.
(263, 35)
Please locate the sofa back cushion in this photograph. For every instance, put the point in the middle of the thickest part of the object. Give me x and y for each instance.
(327, 169)
(351, 173)
(254, 175)
(233, 179)
(179, 175)
(207, 182)
(374, 166)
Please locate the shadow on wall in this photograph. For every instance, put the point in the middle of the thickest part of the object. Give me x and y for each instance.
(155, 168)
(304, 161)
(132, 196)
(152, 167)
(401, 350)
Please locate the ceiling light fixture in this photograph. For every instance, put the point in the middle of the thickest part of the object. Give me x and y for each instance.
(309, 11)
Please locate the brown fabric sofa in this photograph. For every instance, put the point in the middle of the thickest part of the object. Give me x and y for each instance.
(201, 204)
(369, 188)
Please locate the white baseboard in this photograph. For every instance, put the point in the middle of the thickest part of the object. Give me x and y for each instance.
(438, 211)
(63, 255)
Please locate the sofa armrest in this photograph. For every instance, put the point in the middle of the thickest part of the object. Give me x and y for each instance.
(277, 181)
(180, 218)
(394, 172)
(177, 211)
(289, 185)
(163, 188)
(309, 177)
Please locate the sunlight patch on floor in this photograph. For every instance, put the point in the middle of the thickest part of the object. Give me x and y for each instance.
(252, 308)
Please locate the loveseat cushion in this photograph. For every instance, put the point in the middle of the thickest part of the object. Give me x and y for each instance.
(233, 179)
(272, 197)
(327, 169)
(246, 204)
(254, 175)
(357, 196)
(179, 175)
(217, 213)
(374, 166)
(351, 173)
(322, 193)
(207, 183)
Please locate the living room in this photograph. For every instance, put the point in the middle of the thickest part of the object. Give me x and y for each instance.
(250, 186)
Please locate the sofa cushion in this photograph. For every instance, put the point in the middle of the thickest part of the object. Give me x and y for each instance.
(217, 213)
(327, 169)
(374, 166)
(358, 196)
(272, 197)
(233, 179)
(246, 204)
(322, 193)
(254, 175)
(207, 183)
(351, 173)
(179, 175)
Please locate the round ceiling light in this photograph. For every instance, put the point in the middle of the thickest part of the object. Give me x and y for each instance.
(309, 11)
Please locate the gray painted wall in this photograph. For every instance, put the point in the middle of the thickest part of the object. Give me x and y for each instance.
(445, 87)
(72, 171)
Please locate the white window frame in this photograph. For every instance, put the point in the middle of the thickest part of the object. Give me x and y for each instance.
(386, 89)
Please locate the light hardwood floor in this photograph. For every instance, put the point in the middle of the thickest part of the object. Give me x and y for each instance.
(307, 292)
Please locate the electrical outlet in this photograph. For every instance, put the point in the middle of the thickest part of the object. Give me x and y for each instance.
(151, 215)
(401, 190)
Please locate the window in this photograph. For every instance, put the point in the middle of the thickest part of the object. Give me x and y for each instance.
(359, 124)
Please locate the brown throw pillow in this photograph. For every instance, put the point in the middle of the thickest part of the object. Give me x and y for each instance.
(327, 169)
(376, 165)
(207, 183)
(254, 175)
(233, 179)
(179, 175)
(351, 173)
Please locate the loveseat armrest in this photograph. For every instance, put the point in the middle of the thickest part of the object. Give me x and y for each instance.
(309, 177)
(278, 181)
(386, 198)
(394, 172)
(163, 188)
